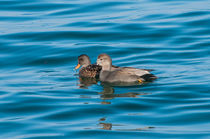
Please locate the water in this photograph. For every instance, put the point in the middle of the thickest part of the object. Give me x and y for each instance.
(41, 97)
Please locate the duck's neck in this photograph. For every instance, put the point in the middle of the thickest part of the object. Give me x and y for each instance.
(85, 65)
(106, 67)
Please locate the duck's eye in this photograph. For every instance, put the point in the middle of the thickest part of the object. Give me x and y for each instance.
(101, 59)
(81, 59)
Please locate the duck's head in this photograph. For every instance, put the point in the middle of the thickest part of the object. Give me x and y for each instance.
(83, 60)
(105, 61)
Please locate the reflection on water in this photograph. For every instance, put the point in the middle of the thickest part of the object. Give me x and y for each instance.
(108, 89)
(109, 93)
(137, 129)
(110, 126)
(84, 82)
(106, 126)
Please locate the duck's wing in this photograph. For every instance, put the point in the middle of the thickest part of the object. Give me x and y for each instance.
(117, 67)
(137, 68)
(133, 71)
(140, 73)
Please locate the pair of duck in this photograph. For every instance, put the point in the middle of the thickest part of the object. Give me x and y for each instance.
(106, 72)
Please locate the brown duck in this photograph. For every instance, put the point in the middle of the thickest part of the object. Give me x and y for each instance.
(87, 69)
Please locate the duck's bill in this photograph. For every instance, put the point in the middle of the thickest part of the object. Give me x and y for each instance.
(77, 66)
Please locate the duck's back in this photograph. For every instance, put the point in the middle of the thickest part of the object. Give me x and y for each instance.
(90, 71)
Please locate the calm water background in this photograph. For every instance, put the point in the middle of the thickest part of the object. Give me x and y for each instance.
(41, 97)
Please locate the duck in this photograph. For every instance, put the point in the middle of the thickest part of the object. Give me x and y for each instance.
(121, 74)
(87, 69)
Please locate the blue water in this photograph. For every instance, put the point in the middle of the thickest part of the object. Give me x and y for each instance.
(41, 95)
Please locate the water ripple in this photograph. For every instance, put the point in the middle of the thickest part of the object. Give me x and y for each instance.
(42, 96)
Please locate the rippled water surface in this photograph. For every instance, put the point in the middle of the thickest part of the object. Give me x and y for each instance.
(42, 97)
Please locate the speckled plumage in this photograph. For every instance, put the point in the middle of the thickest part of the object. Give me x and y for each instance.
(90, 71)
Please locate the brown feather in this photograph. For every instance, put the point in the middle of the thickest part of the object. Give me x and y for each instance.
(90, 71)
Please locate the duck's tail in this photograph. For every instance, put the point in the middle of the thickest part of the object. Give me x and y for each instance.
(149, 77)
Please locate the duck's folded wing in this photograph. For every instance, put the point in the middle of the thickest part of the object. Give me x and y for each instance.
(133, 71)
(117, 67)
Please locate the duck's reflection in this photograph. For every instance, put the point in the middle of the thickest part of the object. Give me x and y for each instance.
(109, 126)
(109, 93)
(106, 126)
(84, 82)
